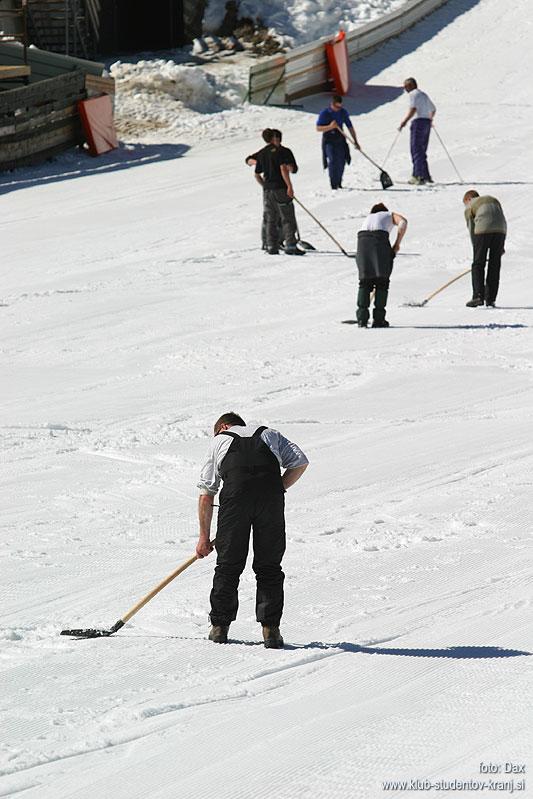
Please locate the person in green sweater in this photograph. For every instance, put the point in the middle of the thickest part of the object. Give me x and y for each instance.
(486, 223)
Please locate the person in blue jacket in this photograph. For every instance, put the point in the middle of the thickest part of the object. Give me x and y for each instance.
(335, 151)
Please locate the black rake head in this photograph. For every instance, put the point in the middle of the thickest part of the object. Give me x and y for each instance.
(87, 633)
(93, 633)
(386, 180)
(415, 304)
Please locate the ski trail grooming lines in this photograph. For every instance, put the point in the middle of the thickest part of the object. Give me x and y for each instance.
(425, 302)
(448, 154)
(95, 633)
(307, 211)
(384, 177)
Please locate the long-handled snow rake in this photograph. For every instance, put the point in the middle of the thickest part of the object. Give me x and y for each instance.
(391, 148)
(94, 633)
(384, 177)
(319, 223)
(425, 302)
(437, 134)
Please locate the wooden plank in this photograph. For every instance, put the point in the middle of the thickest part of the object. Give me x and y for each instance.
(305, 69)
(54, 88)
(29, 125)
(99, 85)
(36, 147)
(14, 72)
(40, 109)
(20, 139)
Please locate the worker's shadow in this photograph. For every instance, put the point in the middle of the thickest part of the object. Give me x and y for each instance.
(76, 163)
(454, 652)
(490, 326)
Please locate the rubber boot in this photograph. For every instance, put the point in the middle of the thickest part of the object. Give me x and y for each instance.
(380, 303)
(363, 304)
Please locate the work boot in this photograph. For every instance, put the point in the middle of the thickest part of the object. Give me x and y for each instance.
(272, 636)
(380, 323)
(475, 302)
(219, 633)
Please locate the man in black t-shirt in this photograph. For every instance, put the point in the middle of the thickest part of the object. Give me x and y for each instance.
(251, 160)
(273, 168)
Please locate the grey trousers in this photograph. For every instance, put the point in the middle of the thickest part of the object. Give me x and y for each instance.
(276, 205)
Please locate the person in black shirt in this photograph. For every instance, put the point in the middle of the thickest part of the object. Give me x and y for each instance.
(251, 160)
(273, 168)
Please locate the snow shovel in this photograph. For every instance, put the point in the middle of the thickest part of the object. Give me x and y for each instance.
(425, 302)
(307, 211)
(94, 633)
(305, 244)
(384, 177)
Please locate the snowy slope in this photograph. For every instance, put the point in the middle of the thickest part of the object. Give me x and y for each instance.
(136, 308)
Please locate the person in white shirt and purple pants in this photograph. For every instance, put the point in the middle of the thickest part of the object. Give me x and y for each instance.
(423, 111)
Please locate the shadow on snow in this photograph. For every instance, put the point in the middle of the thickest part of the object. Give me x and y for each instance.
(456, 652)
(76, 164)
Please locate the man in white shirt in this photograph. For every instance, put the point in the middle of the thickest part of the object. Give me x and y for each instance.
(423, 111)
(374, 258)
(247, 460)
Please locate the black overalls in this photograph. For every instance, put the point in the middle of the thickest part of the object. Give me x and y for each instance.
(252, 497)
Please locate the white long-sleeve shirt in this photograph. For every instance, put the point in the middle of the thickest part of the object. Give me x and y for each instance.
(289, 455)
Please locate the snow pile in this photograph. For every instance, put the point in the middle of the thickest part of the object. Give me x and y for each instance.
(156, 93)
(296, 22)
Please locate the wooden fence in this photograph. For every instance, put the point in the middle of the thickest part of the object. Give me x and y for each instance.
(39, 120)
(286, 77)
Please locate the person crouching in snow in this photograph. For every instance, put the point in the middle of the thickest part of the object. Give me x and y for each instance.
(374, 259)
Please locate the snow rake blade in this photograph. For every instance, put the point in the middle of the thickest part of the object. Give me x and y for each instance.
(384, 177)
(425, 302)
(96, 633)
(386, 180)
(305, 244)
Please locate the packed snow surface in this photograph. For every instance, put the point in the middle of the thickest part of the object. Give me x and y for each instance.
(136, 307)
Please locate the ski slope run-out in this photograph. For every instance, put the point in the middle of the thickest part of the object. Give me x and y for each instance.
(137, 307)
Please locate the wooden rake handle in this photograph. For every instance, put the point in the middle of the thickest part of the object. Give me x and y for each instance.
(449, 283)
(319, 223)
(159, 587)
